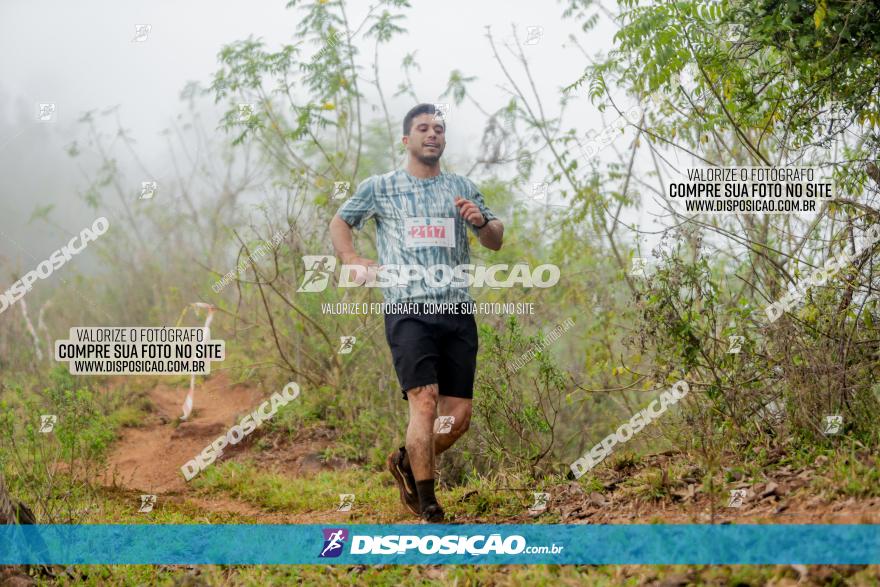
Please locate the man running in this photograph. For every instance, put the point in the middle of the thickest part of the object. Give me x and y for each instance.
(421, 214)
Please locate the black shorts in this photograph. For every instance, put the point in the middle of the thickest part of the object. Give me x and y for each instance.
(434, 348)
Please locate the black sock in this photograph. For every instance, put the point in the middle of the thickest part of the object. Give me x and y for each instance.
(426, 493)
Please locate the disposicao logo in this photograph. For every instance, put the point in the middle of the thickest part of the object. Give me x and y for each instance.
(408, 544)
(319, 269)
(17, 290)
(334, 540)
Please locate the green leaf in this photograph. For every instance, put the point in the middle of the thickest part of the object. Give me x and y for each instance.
(821, 11)
(41, 212)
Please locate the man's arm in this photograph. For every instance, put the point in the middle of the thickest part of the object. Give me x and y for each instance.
(492, 234)
(343, 243)
(353, 214)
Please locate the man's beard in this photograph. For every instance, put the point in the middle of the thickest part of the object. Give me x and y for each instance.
(429, 159)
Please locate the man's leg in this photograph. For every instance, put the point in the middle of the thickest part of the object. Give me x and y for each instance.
(420, 447)
(420, 432)
(415, 353)
(456, 371)
(459, 408)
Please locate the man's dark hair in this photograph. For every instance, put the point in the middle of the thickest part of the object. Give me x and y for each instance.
(424, 108)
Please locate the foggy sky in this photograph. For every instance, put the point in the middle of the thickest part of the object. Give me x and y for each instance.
(81, 56)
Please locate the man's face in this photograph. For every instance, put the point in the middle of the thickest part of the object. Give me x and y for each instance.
(427, 138)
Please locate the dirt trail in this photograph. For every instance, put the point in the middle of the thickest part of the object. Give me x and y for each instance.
(148, 458)
(784, 495)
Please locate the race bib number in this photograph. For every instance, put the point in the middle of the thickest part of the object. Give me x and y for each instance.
(429, 232)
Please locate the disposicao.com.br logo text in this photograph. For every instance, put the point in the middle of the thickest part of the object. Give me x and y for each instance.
(476, 545)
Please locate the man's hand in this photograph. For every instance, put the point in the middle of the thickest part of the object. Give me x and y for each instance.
(470, 211)
(361, 270)
(493, 234)
(365, 270)
(354, 259)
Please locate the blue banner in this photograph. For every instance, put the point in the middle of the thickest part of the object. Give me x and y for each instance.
(441, 544)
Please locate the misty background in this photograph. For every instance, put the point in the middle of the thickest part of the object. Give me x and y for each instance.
(85, 58)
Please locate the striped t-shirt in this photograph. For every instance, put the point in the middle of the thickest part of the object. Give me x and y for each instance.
(402, 204)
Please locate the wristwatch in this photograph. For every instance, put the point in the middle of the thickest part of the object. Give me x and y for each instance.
(483, 225)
